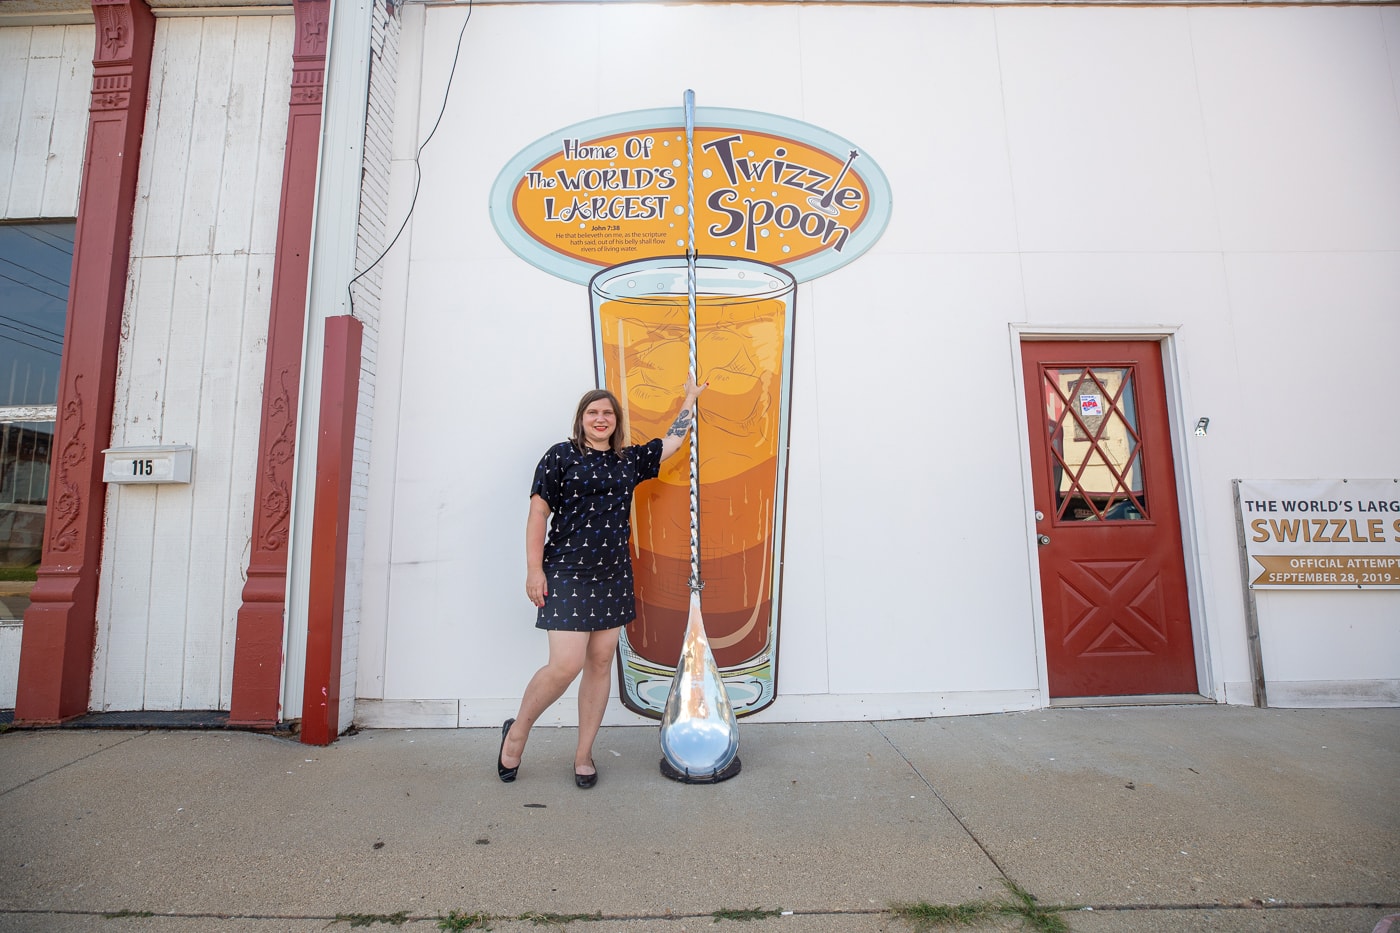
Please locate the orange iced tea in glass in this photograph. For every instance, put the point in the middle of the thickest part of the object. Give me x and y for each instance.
(743, 324)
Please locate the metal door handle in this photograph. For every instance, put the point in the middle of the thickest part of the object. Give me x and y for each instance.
(1042, 540)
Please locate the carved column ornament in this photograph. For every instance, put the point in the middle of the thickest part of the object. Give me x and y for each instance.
(257, 659)
(115, 34)
(59, 634)
(313, 23)
(309, 51)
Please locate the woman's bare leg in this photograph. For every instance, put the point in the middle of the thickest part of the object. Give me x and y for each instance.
(567, 653)
(593, 694)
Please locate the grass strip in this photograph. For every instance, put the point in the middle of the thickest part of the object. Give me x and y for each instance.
(549, 919)
(1020, 903)
(364, 920)
(747, 913)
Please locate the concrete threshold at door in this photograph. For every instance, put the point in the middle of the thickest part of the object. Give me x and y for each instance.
(1148, 699)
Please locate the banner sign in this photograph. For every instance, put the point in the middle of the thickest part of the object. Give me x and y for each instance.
(767, 188)
(1322, 533)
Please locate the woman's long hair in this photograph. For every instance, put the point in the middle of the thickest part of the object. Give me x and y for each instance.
(589, 397)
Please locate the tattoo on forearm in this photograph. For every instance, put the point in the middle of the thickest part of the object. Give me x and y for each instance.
(681, 425)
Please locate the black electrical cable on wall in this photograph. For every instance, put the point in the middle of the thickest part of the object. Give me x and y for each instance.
(417, 168)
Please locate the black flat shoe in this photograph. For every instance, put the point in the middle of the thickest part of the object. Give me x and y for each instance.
(507, 774)
(586, 780)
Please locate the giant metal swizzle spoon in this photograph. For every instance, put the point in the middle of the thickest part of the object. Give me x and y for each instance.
(699, 734)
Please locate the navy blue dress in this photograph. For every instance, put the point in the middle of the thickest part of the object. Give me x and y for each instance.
(587, 567)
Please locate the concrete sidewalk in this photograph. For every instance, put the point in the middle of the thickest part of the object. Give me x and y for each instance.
(1157, 818)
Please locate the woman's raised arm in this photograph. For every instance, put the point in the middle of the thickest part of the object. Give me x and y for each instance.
(675, 434)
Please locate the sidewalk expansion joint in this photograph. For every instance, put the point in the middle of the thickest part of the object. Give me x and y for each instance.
(535, 917)
(69, 764)
(939, 797)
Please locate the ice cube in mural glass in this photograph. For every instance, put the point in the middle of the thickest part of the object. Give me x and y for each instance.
(744, 348)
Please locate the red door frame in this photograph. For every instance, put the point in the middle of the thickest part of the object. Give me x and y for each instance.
(1114, 594)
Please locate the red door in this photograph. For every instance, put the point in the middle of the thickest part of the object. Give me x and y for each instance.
(1112, 572)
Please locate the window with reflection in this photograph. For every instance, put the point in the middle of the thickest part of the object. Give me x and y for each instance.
(36, 260)
(1096, 450)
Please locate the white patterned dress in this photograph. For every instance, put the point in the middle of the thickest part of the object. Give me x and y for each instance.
(587, 567)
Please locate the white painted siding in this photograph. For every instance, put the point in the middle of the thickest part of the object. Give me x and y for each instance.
(377, 227)
(1230, 175)
(389, 361)
(10, 637)
(191, 364)
(45, 80)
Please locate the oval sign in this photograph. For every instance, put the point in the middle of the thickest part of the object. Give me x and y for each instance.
(614, 189)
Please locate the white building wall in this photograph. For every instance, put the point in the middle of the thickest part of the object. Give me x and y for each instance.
(45, 79)
(191, 364)
(384, 448)
(1226, 177)
(377, 227)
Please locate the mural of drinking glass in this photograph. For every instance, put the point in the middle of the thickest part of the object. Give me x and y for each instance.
(607, 203)
(744, 313)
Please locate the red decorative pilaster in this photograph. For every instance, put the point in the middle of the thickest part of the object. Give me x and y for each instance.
(257, 657)
(55, 669)
(330, 529)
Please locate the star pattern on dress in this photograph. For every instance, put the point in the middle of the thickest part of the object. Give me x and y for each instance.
(586, 553)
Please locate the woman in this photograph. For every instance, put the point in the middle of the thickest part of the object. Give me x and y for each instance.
(579, 574)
